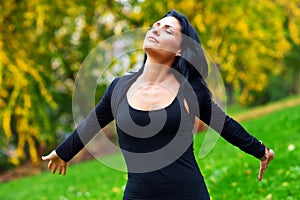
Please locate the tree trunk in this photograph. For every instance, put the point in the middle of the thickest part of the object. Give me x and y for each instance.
(296, 80)
(229, 94)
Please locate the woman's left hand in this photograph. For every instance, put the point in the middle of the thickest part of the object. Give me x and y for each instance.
(264, 163)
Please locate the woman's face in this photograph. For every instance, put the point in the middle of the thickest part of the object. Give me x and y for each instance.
(164, 37)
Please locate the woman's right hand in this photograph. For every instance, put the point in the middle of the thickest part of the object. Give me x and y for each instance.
(55, 162)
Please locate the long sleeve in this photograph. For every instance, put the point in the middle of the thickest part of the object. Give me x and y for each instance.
(211, 114)
(98, 118)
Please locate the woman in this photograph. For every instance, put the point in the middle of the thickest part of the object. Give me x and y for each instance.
(155, 110)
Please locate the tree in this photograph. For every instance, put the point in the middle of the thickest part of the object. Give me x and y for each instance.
(42, 45)
(24, 96)
(291, 12)
(245, 38)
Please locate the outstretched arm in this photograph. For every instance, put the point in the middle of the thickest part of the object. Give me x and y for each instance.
(98, 118)
(229, 129)
(234, 133)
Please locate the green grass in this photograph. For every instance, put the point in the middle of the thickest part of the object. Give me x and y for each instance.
(238, 109)
(229, 173)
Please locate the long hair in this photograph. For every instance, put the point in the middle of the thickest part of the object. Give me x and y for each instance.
(192, 63)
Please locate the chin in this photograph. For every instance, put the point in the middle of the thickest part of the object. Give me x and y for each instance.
(150, 45)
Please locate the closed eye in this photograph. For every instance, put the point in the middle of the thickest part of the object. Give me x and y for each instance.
(168, 28)
(169, 31)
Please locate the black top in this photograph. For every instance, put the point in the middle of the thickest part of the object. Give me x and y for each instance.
(158, 145)
(159, 158)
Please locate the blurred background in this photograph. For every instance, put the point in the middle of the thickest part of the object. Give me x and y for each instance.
(255, 44)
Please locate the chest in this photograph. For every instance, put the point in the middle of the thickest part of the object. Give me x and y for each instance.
(151, 96)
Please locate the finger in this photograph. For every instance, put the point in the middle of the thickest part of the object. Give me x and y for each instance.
(272, 154)
(64, 171)
(54, 169)
(60, 170)
(262, 169)
(260, 175)
(50, 163)
(48, 157)
(44, 158)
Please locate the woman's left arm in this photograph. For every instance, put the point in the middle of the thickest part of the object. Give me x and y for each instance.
(232, 131)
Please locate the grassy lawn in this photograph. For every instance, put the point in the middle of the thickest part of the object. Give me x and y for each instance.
(229, 173)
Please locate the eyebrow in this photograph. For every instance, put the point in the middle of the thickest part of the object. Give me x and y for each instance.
(166, 25)
(169, 26)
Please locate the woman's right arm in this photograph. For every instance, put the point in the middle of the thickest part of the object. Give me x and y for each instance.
(98, 118)
(55, 162)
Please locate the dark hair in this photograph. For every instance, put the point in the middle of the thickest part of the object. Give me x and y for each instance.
(192, 63)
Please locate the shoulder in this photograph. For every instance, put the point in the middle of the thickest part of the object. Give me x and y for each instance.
(197, 87)
(119, 85)
(122, 80)
(198, 84)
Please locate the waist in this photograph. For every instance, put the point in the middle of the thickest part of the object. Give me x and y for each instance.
(189, 188)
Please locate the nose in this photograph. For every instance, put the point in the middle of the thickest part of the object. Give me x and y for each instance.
(156, 31)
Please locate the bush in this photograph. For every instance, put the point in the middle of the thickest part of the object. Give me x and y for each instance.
(4, 162)
(278, 89)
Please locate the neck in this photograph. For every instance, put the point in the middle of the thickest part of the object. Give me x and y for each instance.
(155, 72)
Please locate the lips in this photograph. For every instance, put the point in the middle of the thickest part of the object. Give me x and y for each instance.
(151, 38)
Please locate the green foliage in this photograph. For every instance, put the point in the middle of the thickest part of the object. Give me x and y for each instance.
(278, 89)
(4, 164)
(247, 39)
(43, 44)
